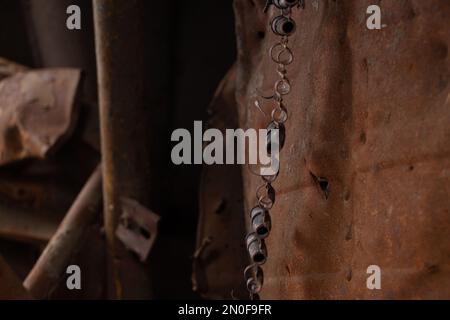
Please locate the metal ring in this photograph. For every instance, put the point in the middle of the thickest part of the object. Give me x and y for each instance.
(290, 56)
(255, 279)
(283, 87)
(277, 58)
(280, 114)
(265, 200)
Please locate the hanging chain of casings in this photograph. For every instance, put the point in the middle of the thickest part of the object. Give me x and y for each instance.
(284, 26)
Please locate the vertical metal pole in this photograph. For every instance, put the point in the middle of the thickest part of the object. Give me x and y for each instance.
(124, 125)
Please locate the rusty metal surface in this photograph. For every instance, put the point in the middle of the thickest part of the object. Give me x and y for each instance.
(124, 119)
(25, 226)
(36, 192)
(35, 195)
(220, 257)
(52, 263)
(37, 112)
(55, 46)
(370, 113)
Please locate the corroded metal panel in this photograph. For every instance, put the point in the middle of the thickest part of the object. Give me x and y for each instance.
(220, 258)
(369, 113)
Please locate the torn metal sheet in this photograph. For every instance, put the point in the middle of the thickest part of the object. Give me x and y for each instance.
(37, 112)
(138, 228)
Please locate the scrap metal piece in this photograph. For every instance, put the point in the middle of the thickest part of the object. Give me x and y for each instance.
(31, 204)
(138, 228)
(127, 166)
(51, 264)
(37, 112)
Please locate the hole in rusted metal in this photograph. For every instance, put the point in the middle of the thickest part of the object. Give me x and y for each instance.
(323, 184)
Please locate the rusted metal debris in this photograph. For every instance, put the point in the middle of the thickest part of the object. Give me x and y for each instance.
(53, 261)
(11, 287)
(138, 228)
(33, 199)
(124, 118)
(37, 112)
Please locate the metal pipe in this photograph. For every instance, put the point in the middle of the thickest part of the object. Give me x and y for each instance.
(124, 130)
(26, 226)
(54, 259)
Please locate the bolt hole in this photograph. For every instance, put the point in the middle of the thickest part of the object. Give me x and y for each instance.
(132, 225)
(323, 184)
